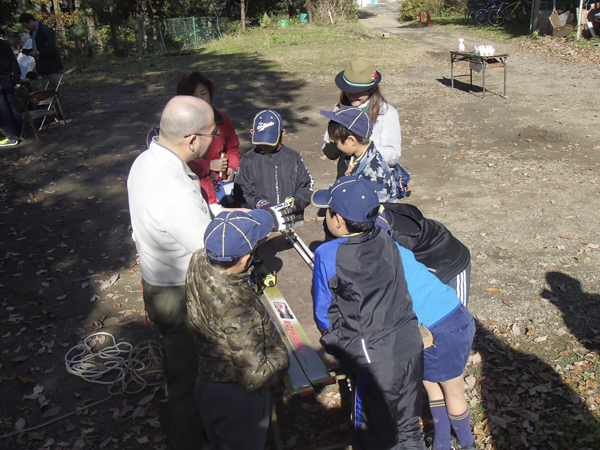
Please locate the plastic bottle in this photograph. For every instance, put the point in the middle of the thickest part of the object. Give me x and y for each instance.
(461, 45)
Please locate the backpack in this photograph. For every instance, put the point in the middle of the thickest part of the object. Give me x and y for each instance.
(402, 179)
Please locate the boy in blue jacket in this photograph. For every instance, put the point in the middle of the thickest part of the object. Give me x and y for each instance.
(342, 298)
(365, 313)
(452, 329)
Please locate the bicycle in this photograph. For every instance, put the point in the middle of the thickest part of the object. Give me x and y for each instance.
(470, 12)
(506, 11)
(483, 14)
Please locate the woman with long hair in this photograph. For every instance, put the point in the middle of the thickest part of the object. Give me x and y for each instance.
(359, 86)
(223, 157)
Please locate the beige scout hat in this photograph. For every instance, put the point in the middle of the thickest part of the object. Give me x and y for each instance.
(359, 76)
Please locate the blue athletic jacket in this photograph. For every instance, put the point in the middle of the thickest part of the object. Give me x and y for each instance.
(362, 304)
(432, 299)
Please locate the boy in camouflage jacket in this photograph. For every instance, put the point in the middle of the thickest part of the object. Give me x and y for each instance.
(239, 349)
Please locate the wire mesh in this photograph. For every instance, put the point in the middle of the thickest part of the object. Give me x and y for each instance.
(166, 35)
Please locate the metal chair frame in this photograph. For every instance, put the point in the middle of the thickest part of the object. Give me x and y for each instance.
(57, 99)
(46, 98)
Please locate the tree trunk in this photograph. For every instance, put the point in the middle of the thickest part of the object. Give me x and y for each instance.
(243, 14)
(308, 6)
(57, 15)
(141, 20)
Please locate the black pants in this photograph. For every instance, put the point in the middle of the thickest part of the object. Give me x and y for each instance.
(388, 404)
(10, 119)
(166, 307)
(234, 416)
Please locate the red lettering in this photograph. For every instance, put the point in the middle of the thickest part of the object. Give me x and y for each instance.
(295, 337)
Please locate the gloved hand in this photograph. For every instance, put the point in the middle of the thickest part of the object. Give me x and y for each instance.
(261, 203)
(283, 216)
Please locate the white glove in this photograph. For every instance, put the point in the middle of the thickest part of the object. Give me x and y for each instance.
(283, 216)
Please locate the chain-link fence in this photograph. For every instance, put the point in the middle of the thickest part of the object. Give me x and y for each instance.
(167, 35)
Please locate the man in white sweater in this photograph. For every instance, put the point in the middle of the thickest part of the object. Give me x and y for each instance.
(169, 218)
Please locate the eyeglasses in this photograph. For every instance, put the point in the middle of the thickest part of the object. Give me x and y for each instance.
(214, 134)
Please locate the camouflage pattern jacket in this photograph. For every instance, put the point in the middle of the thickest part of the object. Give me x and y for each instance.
(235, 338)
(371, 166)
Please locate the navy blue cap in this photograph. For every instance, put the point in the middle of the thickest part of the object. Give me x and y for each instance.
(234, 234)
(267, 127)
(351, 197)
(355, 119)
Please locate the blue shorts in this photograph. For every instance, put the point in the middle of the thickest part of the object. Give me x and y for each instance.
(452, 341)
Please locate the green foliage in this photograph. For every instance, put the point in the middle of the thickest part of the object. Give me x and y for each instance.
(410, 9)
(340, 10)
(439, 8)
(229, 26)
(265, 21)
(116, 40)
(257, 9)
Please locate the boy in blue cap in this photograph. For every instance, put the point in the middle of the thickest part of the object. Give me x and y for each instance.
(350, 129)
(239, 349)
(347, 289)
(365, 313)
(272, 172)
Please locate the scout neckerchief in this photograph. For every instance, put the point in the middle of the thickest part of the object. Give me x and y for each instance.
(354, 161)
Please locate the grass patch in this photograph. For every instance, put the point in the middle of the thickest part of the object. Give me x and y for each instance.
(298, 49)
(313, 49)
(508, 30)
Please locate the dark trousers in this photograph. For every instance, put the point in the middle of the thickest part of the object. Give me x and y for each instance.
(166, 307)
(10, 119)
(235, 417)
(388, 404)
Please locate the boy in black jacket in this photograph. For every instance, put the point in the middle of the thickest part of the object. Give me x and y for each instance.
(272, 172)
(432, 243)
(365, 312)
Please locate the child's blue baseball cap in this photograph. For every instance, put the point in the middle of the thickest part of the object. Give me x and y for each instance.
(234, 234)
(355, 119)
(267, 127)
(351, 197)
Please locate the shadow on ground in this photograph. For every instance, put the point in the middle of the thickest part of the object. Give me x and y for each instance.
(68, 260)
(527, 402)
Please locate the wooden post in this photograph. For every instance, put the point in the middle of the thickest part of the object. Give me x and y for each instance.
(195, 36)
(579, 19)
(535, 13)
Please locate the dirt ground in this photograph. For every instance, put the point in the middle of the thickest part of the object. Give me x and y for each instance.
(515, 179)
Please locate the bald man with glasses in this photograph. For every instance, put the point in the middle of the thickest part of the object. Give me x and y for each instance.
(169, 218)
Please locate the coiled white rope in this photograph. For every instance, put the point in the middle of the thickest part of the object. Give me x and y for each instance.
(95, 366)
(117, 365)
(121, 366)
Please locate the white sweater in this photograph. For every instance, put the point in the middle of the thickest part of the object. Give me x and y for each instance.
(168, 215)
(386, 133)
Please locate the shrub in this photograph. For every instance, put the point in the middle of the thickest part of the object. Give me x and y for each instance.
(340, 10)
(410, 8)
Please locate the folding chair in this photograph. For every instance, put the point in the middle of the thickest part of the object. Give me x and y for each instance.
(56, 99)
(41, 100)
